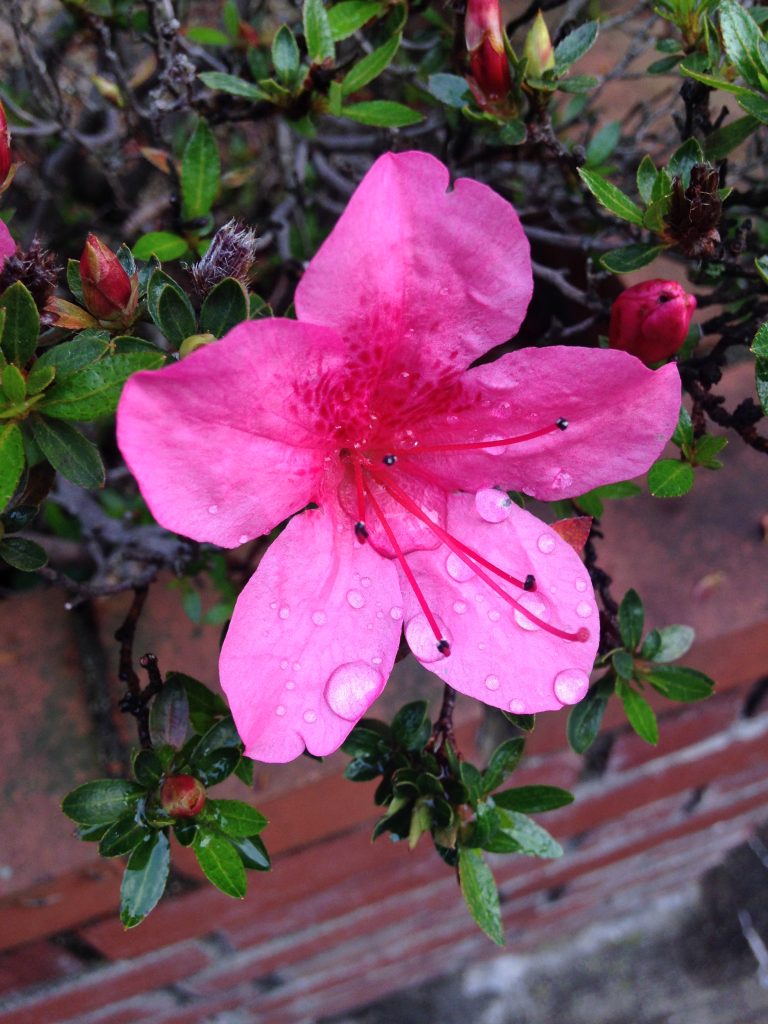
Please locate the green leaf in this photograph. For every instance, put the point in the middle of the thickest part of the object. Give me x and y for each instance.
(170, 308)
(39, 378)
(200, 171)
(370, 67)
(755, 105)
(639, 713)
(22, 324)
(252, 852)
(101, 801)
(285, 55)
(147, 768)
(222, 82)
(760, 349)
(577, 83)
(350, 15)
(678, 683)
(683, 435)
(237, 818)
(651, 645)
(719, 144)
(610, 197)
(532, 839)
(214, 766)
(630, 257)
(207, 36)
(85, 348)
(317, 32)
(204, 705)
(646, 178)
(68, 451)
(502, 763)
(144, 880)
(586, 717)
(480, 893)
(452, 90)
(22, 554)
(13, 384)
(603, 143)
(11, 461)
(74, 281)
(684, 158)
(164, 244)
(623, 664)
(382, 114)
(225, 306)
(222, 734)
(631, 619)
(742, 38)
(95, 390)
(705, 450)
(473, 780)
(220, 863)
(661, 67)
(408, 724)
(169, 715)
(533, 799)
(670, 478)
(122, 837)
(575, 45)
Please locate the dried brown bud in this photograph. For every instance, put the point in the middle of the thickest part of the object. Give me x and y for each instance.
(695, 212)
(231, 254)
(35, 267)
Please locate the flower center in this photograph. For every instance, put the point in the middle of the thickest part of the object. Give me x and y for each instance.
(375, 470)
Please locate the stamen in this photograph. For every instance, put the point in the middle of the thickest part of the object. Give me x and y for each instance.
(389, 460)
(442, 644)
(530, 582)
(360, 529)
(361, 532)
(461, 446)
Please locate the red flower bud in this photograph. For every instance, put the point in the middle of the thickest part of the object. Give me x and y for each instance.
(484, 37)
(182, 796)
(5, 147)
(108, 292)
(651, 320)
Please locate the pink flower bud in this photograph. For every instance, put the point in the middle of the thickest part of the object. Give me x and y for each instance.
(484, 37)
(108, 292)
(182, 796)
(538, 48)
(651, 320)
(5, 147)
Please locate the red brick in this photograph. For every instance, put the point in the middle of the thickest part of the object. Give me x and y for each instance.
(35, 963)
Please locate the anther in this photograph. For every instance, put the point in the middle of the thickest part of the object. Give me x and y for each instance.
(444, 647)
(530, 582)
(389, 460)
(561, 424)
(361, 532)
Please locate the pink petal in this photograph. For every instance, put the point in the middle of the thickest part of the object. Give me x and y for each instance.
(414, 274)
(497, 654)
(620, 415)
(221, 443)
(312, 640)
(7, 244)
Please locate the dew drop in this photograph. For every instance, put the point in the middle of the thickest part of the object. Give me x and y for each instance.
(310, 716)
(493, 615)
(492, 682)
(352, 689)
(546, 543)
(297, 666)
(355, 599)
(213, 509)
(584, 609)
(273, 605)
(396, 613)
(459, 607)
(458, 570)
(319, 618)
(581, 586)
(561, 480)
(284, 612)
(493, 506)
(517, 706)
(365, 581)
(422, 640)
(499, 449)
(280, 710)
(571, 685)
(376, 661)
(379, 614)
(284, 664)
(290, 685)
(243, 538)
(537, 605)
(481, 646)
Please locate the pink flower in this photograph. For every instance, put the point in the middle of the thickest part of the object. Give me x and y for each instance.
(651, 320)
(366, 408)
(7, 244)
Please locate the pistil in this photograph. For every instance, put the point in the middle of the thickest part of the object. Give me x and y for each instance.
(463, 446)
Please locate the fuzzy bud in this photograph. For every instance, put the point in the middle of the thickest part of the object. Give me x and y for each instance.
(651, 320)
(694, 213)
(538, 48)
(182, 796)
(108, 292)
(484, 36)
(35, 267)
(232, 253)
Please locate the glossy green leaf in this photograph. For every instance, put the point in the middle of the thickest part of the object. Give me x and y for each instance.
(11, 461)
(39, 378)
(684, 159)
(452, 90)
(639, 713)
(678, 682)
(670, 478)
(623, 664)
(409, 723)
(236, 818)
(532, 839)
(122, 837)
(74, 281)
(533, 799)
(170, 308)
(756, 106)
(95, 390)
(665, 64)
(348, 16)
(101, 801)
(225, 306)
(578, 84)
(220, 863)
(575, 45)
(169, 715)
(68, 451)
(705, 450)
(252, 852)
(285, 55)
(502, 763)
(317, 32)
(612, 198)
(370, 67)
(13, 384)
(603, 143)
(220, 81)
(630, 257)
(214, 766)
(480, 893)
(164, 244)
(204, 705)
(147, 768)
(683, 435)
(22, 554)
(646, 178)
(85, 348)
(22, 324)
(742, 38)
(200, 171)
(382, 114)
(631, 619)
(586, 717)
(723, 140)
(760, 349)
(145, 878)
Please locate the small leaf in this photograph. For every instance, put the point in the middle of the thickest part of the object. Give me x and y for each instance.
(39, 378)
(630, 257)
(68, 451)
(170, 308)
(480, 893)
(532, 839)
(252, 852)
(22, 323)
(742, 38)
(164, 244)
(760, 349)
(220, 863)
(204, 705)
(285, 55)
(723, 140)
(147, 768)
(603, 143)
(586, 717)
(610, 197)
(214, 766)
(623, 664)
(200, 171)
(575, 45)
(145, 878)
(13, 384)
(207, 36)
(502, 763)
(661, 67)
(11, 461)
(95, 390)
(670, 478)
(222, 82)
(101, 801)
(577, 84)
(225, 306)
(646, 177)
(350, 15)
(678, 682)
(169, 715)
(74, 281)
(533, 799)
(639, 713)
(684, 159)
(122, 837)
(382, 114)
(370, 67)
(408, 724)
(85, 348)
(683, 435)
(317, 32)
(237, 818)
(452, 90)
(631, 619)
(22, 554)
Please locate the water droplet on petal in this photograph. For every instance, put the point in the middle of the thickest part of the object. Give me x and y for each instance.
(459, 607)
(243, 538)
(492, 682)
(319, 618)
(546, 543)
(537, 605)
(493, 615)
(422, 640)
(376, 661)
(297, 666)
(284, 664)
(273, 605)
(458, 570)
(355, 599)
(561, 480)
(213, 509)
(499, 449)
(517, 706)
(396, 613)
(581, 586)
(493, 506)
(310, 716)
(284, 612)
(584, 609)
(280, 710)
(571, 685)
(365, 581)
(352, 689)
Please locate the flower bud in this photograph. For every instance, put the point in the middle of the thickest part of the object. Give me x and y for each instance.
(7, 167)
(232, 253)
(484, 36)
(194, 342)
(538, 48)
(651, 320)
(182, 796)
(108, 292)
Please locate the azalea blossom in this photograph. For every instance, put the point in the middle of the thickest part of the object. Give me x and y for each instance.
(367, 414)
